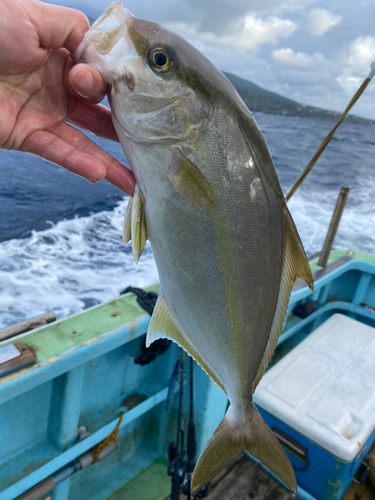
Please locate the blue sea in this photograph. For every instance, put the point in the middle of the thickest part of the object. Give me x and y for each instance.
(61, 237)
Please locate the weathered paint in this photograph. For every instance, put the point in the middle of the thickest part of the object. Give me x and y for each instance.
(56, 338)
(83, 378)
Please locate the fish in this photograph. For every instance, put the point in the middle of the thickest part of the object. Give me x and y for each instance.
(208, 199)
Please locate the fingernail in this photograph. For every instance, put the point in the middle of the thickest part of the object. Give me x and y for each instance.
(92, 181)
(84, 82)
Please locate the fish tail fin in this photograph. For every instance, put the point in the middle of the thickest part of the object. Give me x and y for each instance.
(251, 435)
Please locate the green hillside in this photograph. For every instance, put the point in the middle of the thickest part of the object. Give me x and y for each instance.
(258, 99)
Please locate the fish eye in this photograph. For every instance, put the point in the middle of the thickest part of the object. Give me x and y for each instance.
(161, 59)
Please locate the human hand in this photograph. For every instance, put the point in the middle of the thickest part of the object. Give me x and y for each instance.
(41, 90)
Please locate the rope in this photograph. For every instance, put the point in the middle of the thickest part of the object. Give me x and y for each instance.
(112, 438)
(147, 301)
(326, 141)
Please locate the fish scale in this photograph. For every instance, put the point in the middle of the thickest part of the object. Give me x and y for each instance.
(209, 201)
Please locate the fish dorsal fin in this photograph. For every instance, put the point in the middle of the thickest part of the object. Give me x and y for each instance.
(295, 265)
(164, 326)
(295, 254)
(138, 232)
(191, 183)
(126, 235)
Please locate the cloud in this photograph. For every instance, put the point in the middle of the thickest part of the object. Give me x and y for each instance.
(329, 83)
(298, 60)
(361, 53)
(309, 69)
(355, 64)
(246, 34)
(320, 21)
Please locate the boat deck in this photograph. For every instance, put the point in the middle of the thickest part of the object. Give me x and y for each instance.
(241, 479)
(245, 479)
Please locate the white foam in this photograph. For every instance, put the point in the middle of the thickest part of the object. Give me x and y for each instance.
(74, 264)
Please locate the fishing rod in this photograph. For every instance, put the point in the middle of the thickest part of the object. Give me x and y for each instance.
(182, 470)
(175, 468)
(191, 441)
(326, 141)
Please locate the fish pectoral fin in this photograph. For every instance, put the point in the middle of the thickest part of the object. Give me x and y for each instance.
(164, 326)
(191, 183)
(126, 235)
(252, 436)
(295, 254)
(138, 225)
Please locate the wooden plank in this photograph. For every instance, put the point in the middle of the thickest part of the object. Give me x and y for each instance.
(247, 480)
(365, 491)
(25, 326)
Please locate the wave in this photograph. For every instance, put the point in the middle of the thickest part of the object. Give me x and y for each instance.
(73, 265)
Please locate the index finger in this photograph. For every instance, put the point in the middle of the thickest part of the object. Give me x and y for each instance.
(59, 26)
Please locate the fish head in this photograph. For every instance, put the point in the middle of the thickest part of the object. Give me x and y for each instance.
(158, 83)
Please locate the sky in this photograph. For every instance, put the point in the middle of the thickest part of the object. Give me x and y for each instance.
(312, 51)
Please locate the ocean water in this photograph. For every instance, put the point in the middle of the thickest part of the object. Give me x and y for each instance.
(61, 237)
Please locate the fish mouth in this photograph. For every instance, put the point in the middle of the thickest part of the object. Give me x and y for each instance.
(106, 41)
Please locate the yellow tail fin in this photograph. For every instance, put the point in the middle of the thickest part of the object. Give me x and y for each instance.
(231, 438)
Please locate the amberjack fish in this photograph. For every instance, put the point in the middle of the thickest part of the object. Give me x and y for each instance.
(208, 199)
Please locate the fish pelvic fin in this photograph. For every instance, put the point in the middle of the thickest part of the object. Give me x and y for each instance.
(253, 436)
(295, 265)
(164, 326)
(126, 235)
(135, 224)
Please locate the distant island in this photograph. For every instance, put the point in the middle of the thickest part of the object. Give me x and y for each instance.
(258, 99)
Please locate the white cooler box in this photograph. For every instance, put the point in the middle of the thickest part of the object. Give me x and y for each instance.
(320, 402)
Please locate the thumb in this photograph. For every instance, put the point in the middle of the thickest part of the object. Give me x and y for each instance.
(59, 26)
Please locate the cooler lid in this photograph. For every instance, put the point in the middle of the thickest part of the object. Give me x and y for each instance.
(325, 387)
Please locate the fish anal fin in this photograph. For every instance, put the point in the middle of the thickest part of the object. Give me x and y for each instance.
(295, 265)
(138, 225)
(252, 436)
(126, 235)
(164, 326)
(191, 183)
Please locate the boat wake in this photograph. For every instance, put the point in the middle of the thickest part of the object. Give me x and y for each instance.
(73, 265)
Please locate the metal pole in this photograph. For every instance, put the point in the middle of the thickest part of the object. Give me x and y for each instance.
(335, 221)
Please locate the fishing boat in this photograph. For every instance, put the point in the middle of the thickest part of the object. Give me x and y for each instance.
(80, 419)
